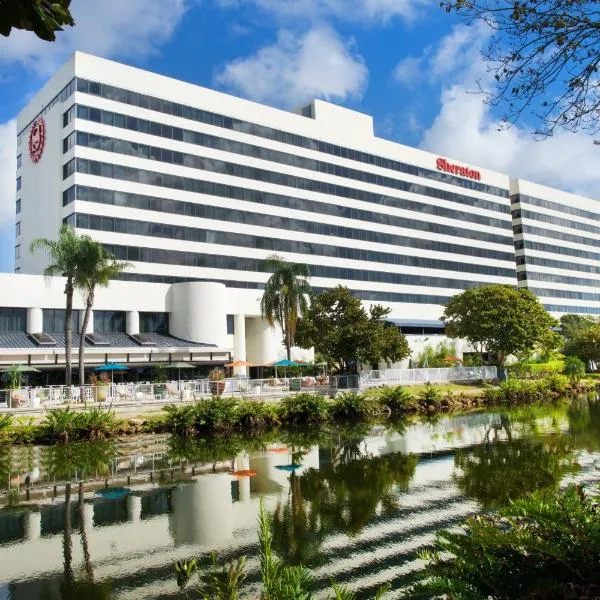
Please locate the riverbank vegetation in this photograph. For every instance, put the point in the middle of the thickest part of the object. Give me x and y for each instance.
(222, 415)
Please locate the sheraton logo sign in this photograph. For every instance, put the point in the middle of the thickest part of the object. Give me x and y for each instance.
(37, 139)
(443, 165)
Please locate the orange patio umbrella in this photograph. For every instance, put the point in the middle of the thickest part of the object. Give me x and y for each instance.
(240, 363)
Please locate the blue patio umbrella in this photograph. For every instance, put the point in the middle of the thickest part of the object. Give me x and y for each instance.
(284, 362)
(112, 367)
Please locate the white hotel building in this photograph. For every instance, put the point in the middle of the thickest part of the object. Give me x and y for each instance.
(196, 188)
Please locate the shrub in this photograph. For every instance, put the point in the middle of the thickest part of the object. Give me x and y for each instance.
(6, 422)
(397, 399)
(217, 414)
(180, 419)
(61, 425)
(430, 395)
(351, 405)
(304, 409)
(574, 369)
(556, 383)
(255, 414)
(545, 546)
(96, 423)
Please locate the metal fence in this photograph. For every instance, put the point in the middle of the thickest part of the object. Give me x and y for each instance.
(420, 376)
(190, 391)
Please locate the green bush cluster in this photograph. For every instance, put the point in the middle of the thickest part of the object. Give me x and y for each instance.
(60, 425)
(527, 390)
(530, 370)
(545, 546)
(65, 425)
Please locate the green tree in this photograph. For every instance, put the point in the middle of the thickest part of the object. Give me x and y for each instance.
(586, 344)
(63, 254)
(97, 267)
(285, 299)
(543, 57)
(43, 17)
(499, 318)
(345, 333)
(572, 325)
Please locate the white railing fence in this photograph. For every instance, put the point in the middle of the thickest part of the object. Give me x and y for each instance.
(194, 390)
(420, 376)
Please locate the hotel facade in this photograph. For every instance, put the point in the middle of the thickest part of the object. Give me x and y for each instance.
(196, 188)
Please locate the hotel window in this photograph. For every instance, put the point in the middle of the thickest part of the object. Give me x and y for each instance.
(13, 320)
(54, 320)
(18, 183)
(230, 325)
(18, 229)
(19, 161)
(18, 206)
(154, 322)
(18, 251)
(109, 321)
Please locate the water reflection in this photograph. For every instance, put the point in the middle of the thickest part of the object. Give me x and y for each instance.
(355, 505)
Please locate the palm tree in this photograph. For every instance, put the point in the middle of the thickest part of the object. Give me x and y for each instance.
(285, 298)
(97, 267)
(64, 259)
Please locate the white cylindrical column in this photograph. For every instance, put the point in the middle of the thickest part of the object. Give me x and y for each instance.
(33, 525)
(90, 327)
(202, 511)
(197, 312)
(133, 322)
(35, 320)
(263, 342)
(243, 464)
(239, 342)
(134, 508)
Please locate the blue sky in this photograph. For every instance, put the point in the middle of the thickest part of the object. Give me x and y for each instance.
(406, 62)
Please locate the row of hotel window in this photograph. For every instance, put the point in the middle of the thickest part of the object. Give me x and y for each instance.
(218, 120)
(227, 238)
(561, 208)
(261, 197)
(194, 161)
(267, 154)
(14, 320)
(283, 223)
(544, 218)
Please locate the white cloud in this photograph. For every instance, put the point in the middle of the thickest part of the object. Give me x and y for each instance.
(363, 11)
(130, 28)
(8, 167)
(298, 68)
(466, 128)
(409, 70)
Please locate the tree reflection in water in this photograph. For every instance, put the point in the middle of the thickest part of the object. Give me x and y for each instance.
(340, 498)
(500, 470)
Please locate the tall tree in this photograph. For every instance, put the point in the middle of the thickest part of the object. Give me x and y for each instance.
(500, 318)
(339, 327)
(43, 17)
(64, 261)
(97, 267)
(285, 299)
(572, 325)
(544, 56)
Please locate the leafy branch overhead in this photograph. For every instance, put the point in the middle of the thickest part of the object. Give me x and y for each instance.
(43, 17)
(544, 57)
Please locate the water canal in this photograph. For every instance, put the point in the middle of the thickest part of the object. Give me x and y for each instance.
(352, 504)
